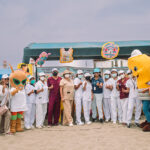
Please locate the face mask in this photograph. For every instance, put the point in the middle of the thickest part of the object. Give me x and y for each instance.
(130, 76)
(106, 76)
(114, 75)
(42, 78)
(32, 82)
(88, 78)
(67, 75)
(80, 76)
(122, 76)
(55, 73)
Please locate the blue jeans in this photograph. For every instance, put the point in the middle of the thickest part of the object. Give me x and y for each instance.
(146, 109)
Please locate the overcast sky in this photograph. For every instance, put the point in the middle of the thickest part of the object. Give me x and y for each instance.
(26, 21)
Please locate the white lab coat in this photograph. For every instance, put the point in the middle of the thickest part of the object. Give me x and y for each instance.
(115, 102)
(41, 103)
(107, 101)
(87, 98)
(133, 101)
(30, 113)
(78, 99)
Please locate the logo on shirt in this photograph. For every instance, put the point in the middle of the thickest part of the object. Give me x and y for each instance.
(110, 50)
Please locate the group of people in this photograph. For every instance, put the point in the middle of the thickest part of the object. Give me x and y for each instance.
(115, 94)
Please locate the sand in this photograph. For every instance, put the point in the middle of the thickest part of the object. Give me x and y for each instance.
(96, 136)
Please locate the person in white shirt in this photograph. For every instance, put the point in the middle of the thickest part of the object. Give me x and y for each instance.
(29, 117)
(4, 99)
(78, 84)
(41, 100)
(133, 100)
(115, 100)
(87, 97)
(106, 95)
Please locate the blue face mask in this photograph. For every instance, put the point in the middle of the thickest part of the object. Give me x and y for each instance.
(106, 76)
(80, 76)
(114, 75)
(32, 82)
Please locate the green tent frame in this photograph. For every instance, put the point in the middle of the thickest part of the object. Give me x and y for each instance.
(83, 50)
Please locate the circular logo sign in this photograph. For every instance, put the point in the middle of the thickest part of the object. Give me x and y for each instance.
(110, 50)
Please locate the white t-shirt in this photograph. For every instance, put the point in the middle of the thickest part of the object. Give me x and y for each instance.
(87, 94)
(18, 101)
(106, 92)
(114, 92)
(79, 91)
(133, 93)
(41, 97)
(30, 99)
(2, 95)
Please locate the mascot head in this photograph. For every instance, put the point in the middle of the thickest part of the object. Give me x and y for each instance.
(140, 65)
(17, 79)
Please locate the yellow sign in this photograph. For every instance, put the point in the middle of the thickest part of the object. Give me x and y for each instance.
(66, 56)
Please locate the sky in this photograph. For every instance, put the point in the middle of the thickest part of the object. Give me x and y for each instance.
(27, 21)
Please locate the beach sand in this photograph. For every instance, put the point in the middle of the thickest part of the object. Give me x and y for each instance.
(96, 136)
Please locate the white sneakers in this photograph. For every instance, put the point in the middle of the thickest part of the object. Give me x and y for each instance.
(80, 123)
(70, 124)
(89, 122)
(28, 128)
(39, 127)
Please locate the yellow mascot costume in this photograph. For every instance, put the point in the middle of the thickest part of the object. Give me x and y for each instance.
(18, 99)
(140, 65)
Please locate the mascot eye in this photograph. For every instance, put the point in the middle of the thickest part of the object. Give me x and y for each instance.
(23, 82)
(135, 68)
(16, 81)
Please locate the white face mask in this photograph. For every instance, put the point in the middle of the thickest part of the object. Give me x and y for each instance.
(80, 76)
(42, 78)
(122, 76)
(67, 75)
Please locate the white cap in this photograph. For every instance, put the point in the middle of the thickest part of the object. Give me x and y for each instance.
(129, 71)
(5, 76)
(54, 69)
(115, 70)
(87, 74)
(79, 71)
(30, 77)
(120, 71)
(107, 72)
(41, 74)
(136, 52)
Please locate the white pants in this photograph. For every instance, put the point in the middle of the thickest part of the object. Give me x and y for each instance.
(78, 102)
(97, 101)
(86, 108)
(107, 108)
(138, 107)
(29, 117)
(41, 110)
(124, 106)
(116, 108)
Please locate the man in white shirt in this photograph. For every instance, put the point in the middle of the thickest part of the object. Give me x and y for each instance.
(78, 96)
(133, 100)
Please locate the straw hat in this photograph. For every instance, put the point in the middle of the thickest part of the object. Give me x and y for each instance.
(67, 72)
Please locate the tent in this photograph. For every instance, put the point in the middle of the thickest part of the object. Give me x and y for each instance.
(83, 50)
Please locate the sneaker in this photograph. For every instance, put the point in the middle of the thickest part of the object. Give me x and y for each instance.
(70, 124)
(114, 122)
(80, 123)
(94, 119)
(107, 120)
(101, 120)
(128, 125)
(43, 126)
(39, 127)
(89, 122)
(120, 122)
(32, 127)
(28, 128)
(137, 124)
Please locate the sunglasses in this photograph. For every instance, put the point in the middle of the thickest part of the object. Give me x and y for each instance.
(17, 82)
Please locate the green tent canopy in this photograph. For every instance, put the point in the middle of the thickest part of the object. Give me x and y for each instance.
(83, 50)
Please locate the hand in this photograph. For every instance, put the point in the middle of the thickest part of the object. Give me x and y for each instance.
(32, 91)
(85, 83)
(80, 83)
(92, 97)
(62, 99)
(4, 86)
(97, 84)
(51, 87)
(123, 90)
(42, 90)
